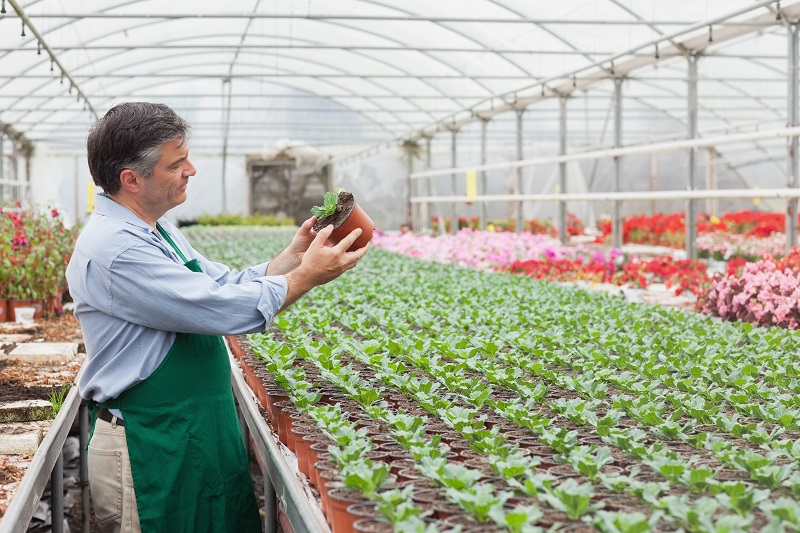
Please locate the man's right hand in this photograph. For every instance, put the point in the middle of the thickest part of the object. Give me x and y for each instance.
(322, 262)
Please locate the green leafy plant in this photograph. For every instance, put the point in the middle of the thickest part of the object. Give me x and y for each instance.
(57, 397)
(571, 497)
(619, 522)
(520, 519)
(328, 207)
(365, 475)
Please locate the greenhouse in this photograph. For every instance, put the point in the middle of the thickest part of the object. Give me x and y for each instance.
(375, 266)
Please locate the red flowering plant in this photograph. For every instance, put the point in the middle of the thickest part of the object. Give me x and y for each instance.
(34, 251)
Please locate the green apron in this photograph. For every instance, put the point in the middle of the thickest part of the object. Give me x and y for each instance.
(189, 465)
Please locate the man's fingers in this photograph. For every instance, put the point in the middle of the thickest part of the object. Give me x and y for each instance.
(308, 224)
(322, 236)
(348, 241)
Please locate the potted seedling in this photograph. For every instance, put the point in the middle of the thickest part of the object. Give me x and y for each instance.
(341, 210)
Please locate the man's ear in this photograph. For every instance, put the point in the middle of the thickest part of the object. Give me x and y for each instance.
(129, 180)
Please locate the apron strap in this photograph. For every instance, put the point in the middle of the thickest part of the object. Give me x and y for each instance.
(171, 242)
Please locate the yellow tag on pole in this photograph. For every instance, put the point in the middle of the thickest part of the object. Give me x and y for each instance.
(472, 184)
(756, 200)
(90, 198)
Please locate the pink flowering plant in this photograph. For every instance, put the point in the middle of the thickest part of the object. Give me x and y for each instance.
(766, 294)
(34, 251)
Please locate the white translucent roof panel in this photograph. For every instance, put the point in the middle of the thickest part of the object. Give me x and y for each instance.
(363, 71)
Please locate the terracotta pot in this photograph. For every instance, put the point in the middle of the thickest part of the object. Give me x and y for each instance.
(357, 218)
(13, 304)
(283, 413)
(4, 311)
(340, 500)
(313, 458)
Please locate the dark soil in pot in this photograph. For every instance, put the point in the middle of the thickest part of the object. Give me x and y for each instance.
(344, 206)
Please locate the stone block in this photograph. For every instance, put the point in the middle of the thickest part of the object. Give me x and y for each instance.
(26, 411)
(44, 352)
(20, 439)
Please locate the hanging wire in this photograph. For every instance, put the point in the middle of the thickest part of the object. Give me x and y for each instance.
(657, 55)
(710, 34)
(23, 28)
(38, 48)
(3, 8)
(574, 81)
(778, 16)
(51, 64)
(62, 77)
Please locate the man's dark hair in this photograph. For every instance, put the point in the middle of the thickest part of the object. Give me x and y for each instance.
(131, 135)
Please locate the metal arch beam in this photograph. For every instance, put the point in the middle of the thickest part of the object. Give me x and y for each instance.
(372, 33)
(376, 35)
(512, 101)
(539, 25)
(193, 53)
(398, 18)
(131, 93)
(349, 48)
(41, 40)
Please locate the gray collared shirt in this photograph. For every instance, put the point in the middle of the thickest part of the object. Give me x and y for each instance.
(132, 294)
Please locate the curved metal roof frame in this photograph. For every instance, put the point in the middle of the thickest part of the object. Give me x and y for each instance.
(372, 45)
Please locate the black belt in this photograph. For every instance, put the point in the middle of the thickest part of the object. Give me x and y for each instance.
(105, 414)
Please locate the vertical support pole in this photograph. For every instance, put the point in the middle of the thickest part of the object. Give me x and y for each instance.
(2, 167)
(518, 174)
(653, 180)
(83, 440)
(562, 168)
(427, 212)
(794, 120)
(270, 506)
(57, 494)
(484, 187)
(409, 186)
(227, 92)
(453, 164)
(691, 209)
(617, 241)
(712, 180)
(15, 171)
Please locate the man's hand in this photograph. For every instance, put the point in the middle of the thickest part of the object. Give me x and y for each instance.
(322, 262)
(291, 256)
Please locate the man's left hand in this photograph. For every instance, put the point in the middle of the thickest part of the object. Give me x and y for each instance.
(291, 256)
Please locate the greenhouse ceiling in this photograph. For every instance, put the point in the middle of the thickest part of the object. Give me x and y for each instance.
(361, 72)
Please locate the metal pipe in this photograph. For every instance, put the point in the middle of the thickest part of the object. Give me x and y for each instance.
(65, 73)
(426, 213)
(691, 207)
(617, 227)
(669, 146)
(787, 192)
(454, 162)
(484, 187)
(562, 168)
(518, 173)
(398, 18)
(83, 440)
(2, 167)
(270, 506)
(57, 494)
(793, 120)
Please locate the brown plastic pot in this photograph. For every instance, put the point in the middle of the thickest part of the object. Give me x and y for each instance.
(357, 218)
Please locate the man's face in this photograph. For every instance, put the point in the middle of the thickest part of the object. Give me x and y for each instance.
(166, 188)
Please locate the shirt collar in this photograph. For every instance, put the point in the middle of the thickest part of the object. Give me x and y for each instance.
(107, 207)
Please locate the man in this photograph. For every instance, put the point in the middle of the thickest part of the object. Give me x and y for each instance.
(166, 452)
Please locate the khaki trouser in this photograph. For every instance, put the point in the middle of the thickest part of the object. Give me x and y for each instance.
(111, 481)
